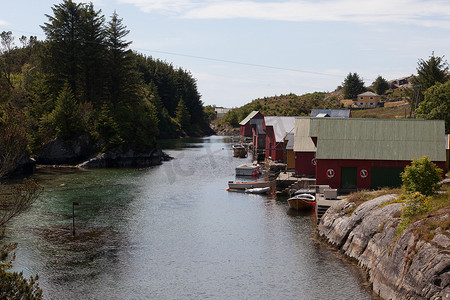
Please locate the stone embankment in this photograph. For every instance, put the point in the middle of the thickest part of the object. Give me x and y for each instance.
(412, 265)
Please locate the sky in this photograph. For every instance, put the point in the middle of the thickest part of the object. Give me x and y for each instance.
(240, 50)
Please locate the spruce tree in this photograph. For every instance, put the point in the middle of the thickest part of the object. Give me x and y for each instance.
(352, 86)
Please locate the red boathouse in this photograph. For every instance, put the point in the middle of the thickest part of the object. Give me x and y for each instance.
(372, 153)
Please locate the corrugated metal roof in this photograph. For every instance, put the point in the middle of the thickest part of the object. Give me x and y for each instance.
(368, 94)
(322, 115)
(333, 113)
(281, 126)
(249, 117)
(290, 141)
(378, 139)
(259, 125)
(302, 139)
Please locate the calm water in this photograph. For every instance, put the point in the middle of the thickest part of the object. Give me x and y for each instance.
(174, 232)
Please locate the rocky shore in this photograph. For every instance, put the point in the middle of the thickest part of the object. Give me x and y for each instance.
(82, 153)
(411, 265)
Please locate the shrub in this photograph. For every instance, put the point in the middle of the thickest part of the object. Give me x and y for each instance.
(12, 284)
(421, 176)
(415, 204)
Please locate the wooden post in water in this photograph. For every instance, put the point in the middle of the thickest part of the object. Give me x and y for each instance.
(73, 217)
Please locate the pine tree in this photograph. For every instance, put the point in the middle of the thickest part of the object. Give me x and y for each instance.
(182, 116)
(430, 72)
(380, 85)
(118, 61)
(352, 86)
(75, 49)
(65, 117)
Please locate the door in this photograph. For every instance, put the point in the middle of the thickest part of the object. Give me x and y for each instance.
(348, 178)
(385, 177)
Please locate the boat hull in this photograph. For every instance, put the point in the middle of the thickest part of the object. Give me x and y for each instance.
(302, 202)
(263, 190)
(247, 185)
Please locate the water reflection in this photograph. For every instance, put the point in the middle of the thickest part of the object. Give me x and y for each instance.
(173, 231)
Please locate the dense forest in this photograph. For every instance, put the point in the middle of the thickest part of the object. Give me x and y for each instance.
(84, 79)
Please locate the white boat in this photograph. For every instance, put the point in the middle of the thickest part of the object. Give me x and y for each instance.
(261, 190)
(247, 185)
(248, 170)
(302, 202)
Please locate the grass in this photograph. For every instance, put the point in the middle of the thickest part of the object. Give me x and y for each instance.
(391, 111)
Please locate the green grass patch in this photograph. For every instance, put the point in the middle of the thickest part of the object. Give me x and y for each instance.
(419, 207)
(395, 112)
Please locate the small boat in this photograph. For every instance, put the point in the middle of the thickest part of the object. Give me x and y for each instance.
(294, 192)
(239, 151)
(247, 185)
(261, 190)
(253, 170)
(302, 202)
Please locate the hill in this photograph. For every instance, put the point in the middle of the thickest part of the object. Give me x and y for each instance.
(294, 105)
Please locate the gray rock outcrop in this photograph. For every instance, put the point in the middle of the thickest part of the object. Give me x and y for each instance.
(405, 266)
(130, 159)
(58, 152)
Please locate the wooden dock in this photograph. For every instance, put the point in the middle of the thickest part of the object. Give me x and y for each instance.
(287, 180)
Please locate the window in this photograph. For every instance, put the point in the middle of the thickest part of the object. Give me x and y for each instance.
(361, 98)
(371, 98)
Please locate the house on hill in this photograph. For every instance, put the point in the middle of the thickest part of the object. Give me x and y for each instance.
(367, 100)
(221, 111)
(372, 153)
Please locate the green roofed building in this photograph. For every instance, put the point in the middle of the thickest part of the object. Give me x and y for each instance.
(371, 153)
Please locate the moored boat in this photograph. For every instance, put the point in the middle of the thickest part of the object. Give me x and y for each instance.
(248, 170)
(260, 190)
(302, 202)
(239, 151)
(248, 185)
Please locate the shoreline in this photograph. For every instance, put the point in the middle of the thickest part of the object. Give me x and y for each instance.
(397, 266)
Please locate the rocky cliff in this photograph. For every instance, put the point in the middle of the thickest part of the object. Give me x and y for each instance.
(412, 265)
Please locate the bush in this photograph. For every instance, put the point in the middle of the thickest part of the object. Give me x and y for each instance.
(414, 205)
(421, 176)
(12, 284)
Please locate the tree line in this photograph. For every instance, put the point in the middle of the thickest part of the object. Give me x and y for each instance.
(84, 79)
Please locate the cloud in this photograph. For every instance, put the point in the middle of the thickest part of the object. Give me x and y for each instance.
(171, 7)
(419, 12)
(3, 23)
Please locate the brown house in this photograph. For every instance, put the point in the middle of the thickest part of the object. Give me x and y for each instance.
(367, 100)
